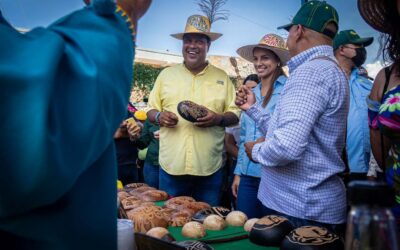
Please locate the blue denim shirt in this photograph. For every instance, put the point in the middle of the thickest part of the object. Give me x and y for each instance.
(250, 132)
(358, 144)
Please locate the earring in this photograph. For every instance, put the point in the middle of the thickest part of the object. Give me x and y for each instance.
(278, 65)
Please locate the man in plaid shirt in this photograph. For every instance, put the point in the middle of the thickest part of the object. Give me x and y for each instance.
(304, 138)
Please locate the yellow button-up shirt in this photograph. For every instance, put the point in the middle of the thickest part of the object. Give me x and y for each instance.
(187, 149)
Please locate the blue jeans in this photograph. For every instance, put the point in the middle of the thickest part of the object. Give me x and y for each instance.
(151, 174)
(338, 229)
(247, 200)
(201, 188)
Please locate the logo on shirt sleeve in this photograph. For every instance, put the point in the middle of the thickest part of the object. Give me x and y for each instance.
(220, 82)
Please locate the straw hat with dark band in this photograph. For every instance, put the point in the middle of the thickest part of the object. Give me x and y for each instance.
(375, 13)
(198, 24)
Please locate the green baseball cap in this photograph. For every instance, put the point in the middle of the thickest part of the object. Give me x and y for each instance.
(315, 15)
(350, 37)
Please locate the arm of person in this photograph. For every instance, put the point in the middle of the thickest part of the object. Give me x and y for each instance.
(230, 145)
(155, 112)
(302, 103)
(76, 100)
(246, 100)
(375, 135)
(145, 136)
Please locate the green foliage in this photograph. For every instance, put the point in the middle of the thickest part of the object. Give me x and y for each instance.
(145, 76)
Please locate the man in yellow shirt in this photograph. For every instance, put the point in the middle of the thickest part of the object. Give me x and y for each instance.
(191, 153)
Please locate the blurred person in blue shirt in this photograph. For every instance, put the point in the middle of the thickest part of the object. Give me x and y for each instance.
(351, 54)
(58, 174)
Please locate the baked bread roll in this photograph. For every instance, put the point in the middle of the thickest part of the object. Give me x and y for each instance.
(202, 214)
(160, 233)
(145, 218)
(154, 195)
(214, 222)
(193, 229)
(236, 218)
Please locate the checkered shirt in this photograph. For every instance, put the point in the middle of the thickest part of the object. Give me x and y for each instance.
(301, 155)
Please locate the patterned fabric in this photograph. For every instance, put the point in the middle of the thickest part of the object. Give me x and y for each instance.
(250, 132)
(386, 117)
(301, 155)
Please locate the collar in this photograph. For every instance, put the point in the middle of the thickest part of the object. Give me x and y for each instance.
(201, 72)
(279, 82)
(307, 55)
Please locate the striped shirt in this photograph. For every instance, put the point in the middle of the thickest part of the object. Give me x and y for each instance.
(301, 155)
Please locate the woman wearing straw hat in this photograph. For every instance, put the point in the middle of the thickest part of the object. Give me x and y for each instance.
(383, 102)
(268, 57)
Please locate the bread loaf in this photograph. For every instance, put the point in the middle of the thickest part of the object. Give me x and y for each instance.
(154, 195)
(131, 202)
(132, 186)
(122, 195)
(145, 218)
(139, 190)
(175, 202)
(178, 219)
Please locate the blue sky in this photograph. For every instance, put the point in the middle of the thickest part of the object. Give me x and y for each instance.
(249, 20)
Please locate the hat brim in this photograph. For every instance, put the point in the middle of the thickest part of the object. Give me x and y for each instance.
(363, 41)
(286, 27)
(374, 12)
(213, 36)
(247, 52)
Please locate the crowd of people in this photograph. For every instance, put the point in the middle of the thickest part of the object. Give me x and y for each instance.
(285, 144)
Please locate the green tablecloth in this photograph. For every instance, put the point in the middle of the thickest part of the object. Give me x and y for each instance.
(228, 232)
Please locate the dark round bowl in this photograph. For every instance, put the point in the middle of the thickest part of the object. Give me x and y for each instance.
(312, 238)
(270, 230)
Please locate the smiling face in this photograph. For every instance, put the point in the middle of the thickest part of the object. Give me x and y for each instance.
(265, 62)
(194, 51)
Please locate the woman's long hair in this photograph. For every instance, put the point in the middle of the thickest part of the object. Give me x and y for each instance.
(278, 72)
(390, 42)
